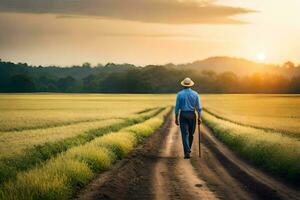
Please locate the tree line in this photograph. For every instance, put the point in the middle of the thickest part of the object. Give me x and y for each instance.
(125, 78)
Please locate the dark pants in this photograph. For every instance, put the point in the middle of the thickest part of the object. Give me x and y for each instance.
(187, 121)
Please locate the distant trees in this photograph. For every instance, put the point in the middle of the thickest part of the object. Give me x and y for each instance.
(228, 82)
(66, 84)
(289, 65)
(87, 65)
(113, 78)
(21, 83)
(294, 86)
(45, 84)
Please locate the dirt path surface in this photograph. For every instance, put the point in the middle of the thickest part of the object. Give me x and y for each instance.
(174, 177)
(156, 170)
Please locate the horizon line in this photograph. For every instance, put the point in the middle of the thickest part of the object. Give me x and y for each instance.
(145, 65)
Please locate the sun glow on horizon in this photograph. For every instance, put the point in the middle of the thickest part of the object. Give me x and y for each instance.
(261, 57)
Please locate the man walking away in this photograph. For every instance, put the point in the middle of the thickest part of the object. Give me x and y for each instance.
(187, 102)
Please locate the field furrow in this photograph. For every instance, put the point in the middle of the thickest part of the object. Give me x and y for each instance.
(24, 112)
(58, 177)
(271, 130)
(53, 145)
(271, 112)
(274, 152)
(39, 146)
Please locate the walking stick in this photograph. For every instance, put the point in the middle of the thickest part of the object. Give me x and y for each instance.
(199, 140)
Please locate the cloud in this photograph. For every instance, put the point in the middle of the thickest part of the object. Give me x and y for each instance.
(152, 11)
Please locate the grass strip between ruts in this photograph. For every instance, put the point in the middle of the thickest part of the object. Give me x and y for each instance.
(277, 154)
(10, 166)
(271, 130)
(58, 177)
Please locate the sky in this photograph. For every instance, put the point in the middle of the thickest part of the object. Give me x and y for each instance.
(141, 32)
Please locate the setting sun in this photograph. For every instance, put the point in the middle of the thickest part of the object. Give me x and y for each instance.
(261, 56)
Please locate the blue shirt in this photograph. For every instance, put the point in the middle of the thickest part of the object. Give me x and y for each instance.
(188, 100)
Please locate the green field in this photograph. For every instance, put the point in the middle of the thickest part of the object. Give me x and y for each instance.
(20, 112)
(51, 144)
(264, 129)
(278, 113)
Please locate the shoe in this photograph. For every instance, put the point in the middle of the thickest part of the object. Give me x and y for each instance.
(187, 156)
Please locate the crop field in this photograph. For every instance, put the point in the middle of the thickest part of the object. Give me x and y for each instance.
(20, 112)
(264, 129)
(280, 113)
(51, 144)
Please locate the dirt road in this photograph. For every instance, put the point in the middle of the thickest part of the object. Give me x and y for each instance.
(157, 170)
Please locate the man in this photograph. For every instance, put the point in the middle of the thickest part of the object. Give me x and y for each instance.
(187, 102)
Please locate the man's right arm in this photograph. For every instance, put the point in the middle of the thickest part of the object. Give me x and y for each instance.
(177, 107)
(198, 108)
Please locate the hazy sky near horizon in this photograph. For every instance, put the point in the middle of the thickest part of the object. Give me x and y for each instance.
(66, 32)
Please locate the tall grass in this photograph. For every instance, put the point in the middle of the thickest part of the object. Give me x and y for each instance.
(279, 113)
(57, 178)
(16, 143)
(145, 129)
(31, 111)
(10, 166)
(52, 181)
(277, 153)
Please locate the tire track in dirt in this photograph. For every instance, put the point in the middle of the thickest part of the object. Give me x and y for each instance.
(156, 170)
(174, 177)
(240, 173)
(212, 170)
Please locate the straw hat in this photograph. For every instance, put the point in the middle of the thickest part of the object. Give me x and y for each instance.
(187, 82)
